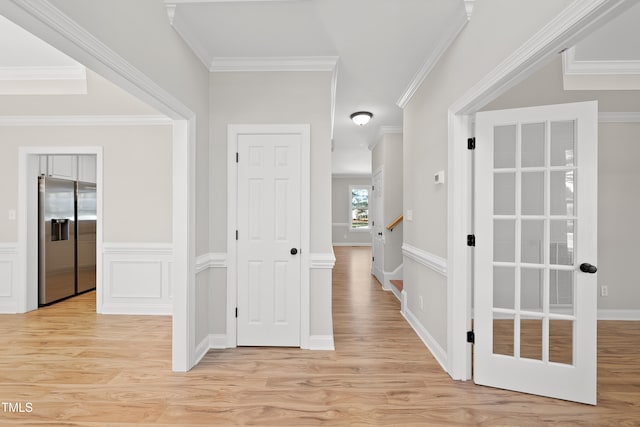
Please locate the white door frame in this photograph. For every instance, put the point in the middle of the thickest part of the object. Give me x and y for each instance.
(573, 23)
(47, 22)
(233, 131)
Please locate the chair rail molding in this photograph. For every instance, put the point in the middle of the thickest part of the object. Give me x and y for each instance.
(211, 260)
(427, 259)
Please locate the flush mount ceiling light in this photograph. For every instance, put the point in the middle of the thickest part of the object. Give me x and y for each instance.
(361, 118)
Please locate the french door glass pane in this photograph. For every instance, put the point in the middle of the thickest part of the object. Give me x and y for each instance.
(532, 250)
(504, 240)
(531, 287)
(504, 287)
(562, 193)
(504, 190)
(533, 193)
(563, 143)
(503, 330)
(533, 138)
(561, 292)
(504, 146)
(561, 341)
(561, 246)
(531, 338)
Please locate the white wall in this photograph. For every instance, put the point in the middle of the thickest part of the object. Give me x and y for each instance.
(341, 207)
(618, 180)
(497, 28)
(282, 98)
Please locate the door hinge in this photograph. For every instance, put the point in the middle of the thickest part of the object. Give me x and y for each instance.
(471, 337)
(471, 143)
(236, 234)
(236, 312)
(237, 157)
(373, 188)
(471, 240)
(373, 259)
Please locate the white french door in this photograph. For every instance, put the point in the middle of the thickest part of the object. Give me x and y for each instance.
(268, 240)
(536, 240)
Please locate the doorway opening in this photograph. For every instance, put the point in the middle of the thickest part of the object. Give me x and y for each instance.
(29, 171)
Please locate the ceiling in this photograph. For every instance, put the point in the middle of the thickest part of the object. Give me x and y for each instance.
(379, 47)
(608, 58)
(29, 66)
(378, 50)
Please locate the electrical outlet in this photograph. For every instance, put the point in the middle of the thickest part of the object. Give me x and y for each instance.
(12, 214)
(421, 302)
(604, 291)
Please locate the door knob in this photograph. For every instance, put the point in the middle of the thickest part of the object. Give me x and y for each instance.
(294, 251)
(588, 268)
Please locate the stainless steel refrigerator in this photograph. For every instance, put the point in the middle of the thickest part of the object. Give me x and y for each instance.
(66, 231)
(85, 237)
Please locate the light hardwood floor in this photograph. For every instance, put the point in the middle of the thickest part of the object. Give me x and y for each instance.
(78, 368)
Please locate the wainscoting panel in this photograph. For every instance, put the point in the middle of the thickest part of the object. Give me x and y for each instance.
(8, 279)
(137, 278)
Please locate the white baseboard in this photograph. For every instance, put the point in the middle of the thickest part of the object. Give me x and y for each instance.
(613, 314)
(436, 350)
(210, 342)
(201, 350)
(218, 341)
(321, 342)
(137, 278)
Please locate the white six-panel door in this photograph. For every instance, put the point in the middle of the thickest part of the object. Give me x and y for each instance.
(376, 202)
(269, 235)
(536, 228)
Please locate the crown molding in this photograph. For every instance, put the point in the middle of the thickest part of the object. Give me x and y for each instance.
(68, 72)
(619, 117)
(567, 27)
(468, 8)
(186, 32)
(385, 130)
(171, 11)
(428, 66)
(284, 63)
(350, 176)
(53, 21)
(176, 2)
(85, 120)
(573, 67)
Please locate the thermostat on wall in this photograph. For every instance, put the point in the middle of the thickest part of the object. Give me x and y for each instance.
(438, 178)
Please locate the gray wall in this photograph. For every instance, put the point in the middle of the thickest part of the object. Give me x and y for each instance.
(387, 154)
(618, 177)
(481, 43)
(282, 98)
(341, 218)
